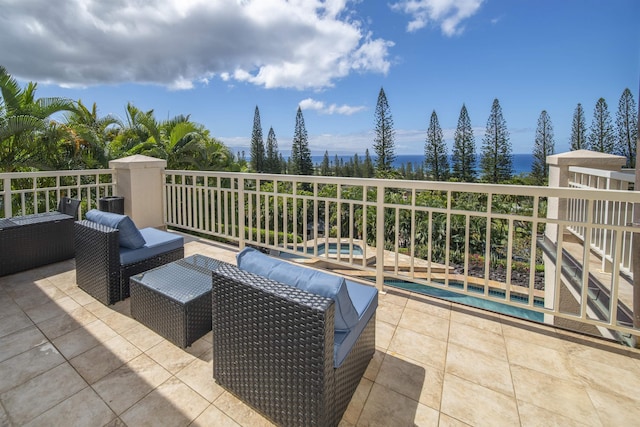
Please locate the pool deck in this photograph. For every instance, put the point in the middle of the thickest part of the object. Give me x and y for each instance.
(66, 359)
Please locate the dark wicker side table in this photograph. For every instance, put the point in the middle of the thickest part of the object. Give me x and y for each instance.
(174, 300)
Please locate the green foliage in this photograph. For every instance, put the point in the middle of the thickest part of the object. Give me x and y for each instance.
(579, 130)
(436, 159)
(464, 149)
(301, 163)
(601, 137)
(496, 161)
(627, 128)
(258, 156)
(544, 146)
(272, 161)
(384, 141)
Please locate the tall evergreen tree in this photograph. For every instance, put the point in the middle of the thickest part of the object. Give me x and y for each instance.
(627, 128)
(272, 160)
(464, 149)
(257, 144)
(368, 171)
(601, 137)
(300, 153)
(325, 167)
(544, 146)
(496, 162)
(383, 143)
(357, 166)
(579, 130)
(436, 159)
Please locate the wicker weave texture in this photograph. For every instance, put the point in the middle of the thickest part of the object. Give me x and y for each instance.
(98, 269)
(31, 241)
(273, 348)
(174, 300)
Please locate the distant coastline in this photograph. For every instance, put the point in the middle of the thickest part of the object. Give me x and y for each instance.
(521, 162)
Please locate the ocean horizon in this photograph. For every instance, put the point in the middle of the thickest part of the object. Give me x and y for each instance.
(521, 162)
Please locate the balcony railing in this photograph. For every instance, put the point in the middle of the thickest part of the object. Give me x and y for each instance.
(24, 193)
(473, 240)
(605, 211)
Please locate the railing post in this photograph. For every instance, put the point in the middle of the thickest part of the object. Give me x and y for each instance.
(380, 238)
(139, 179)
(241, 213)
(6, 197)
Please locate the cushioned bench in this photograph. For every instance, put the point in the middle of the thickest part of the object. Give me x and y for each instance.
(291, 341)
(110, 249)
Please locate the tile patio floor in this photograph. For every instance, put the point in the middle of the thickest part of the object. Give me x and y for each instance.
(67, 360)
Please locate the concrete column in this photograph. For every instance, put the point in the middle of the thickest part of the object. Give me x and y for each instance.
(139, 181)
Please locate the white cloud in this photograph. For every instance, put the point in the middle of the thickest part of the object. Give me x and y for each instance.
(312, 104)
(448, 14)
(272, 43)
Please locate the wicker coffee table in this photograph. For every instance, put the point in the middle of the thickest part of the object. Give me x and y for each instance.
(174, 300)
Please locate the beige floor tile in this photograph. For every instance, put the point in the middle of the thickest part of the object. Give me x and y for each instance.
(374, 365)
(82, 339)
(172, 402)
(534, 333)
(35, 296)
(534, 416)
(27, 365)
(430, 306)
(172, 358)
(142, 337)
(385, 407)
(422, 383)
(52, 309)
(239, 412)
(479, 340)
(16, 322)
(477, 318)
(8, 308)
(354, 409)
(389, 312)
(447, 421)
(60, 325)
(394, 296)
(41, 393)
(199, 376)
(384, 334)
(563, 397)
(614, 409)
(421, 348)
(20, 341)
(119, 322)
(212, 416)
(418, 321)
(81, 297)
(479, 368)
(125, 386)
(4, 418)
(477, 405)
(84, 408)
(104, 358)
(599, 376)
(98, 309)
(542, 359)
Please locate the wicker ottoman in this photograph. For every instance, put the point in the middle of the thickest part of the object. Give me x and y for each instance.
(174, 300)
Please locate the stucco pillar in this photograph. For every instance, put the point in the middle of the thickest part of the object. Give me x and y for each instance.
(139, 181)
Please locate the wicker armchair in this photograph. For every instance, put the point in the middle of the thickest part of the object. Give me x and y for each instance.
(273, 347)
(100, 270)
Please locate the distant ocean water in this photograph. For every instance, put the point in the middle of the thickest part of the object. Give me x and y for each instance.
(521, 162)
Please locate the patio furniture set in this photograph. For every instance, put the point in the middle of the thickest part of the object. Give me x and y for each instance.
(290, 341)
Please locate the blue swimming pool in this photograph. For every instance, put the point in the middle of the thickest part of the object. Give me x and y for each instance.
(332, 249)
(472, 301)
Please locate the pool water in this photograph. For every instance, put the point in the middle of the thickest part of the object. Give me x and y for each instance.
(497, 307)
(333, 249)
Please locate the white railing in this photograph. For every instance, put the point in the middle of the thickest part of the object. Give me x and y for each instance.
(470, 240)
(24, 193)
(604, 212)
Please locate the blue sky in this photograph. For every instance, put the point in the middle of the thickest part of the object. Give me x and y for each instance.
(217, 60)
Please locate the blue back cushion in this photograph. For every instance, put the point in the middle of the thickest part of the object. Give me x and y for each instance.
(129, 234)
(314, 281)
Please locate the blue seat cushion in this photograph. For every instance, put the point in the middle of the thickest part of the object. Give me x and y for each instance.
(365, 301)
(129, 235)
(310, 280)
(156, 242)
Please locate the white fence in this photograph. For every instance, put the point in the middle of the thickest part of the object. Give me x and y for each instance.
(603, 240)
(471, 240)
(24, 193)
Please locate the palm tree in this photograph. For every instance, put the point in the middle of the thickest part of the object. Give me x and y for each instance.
(28, 137)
